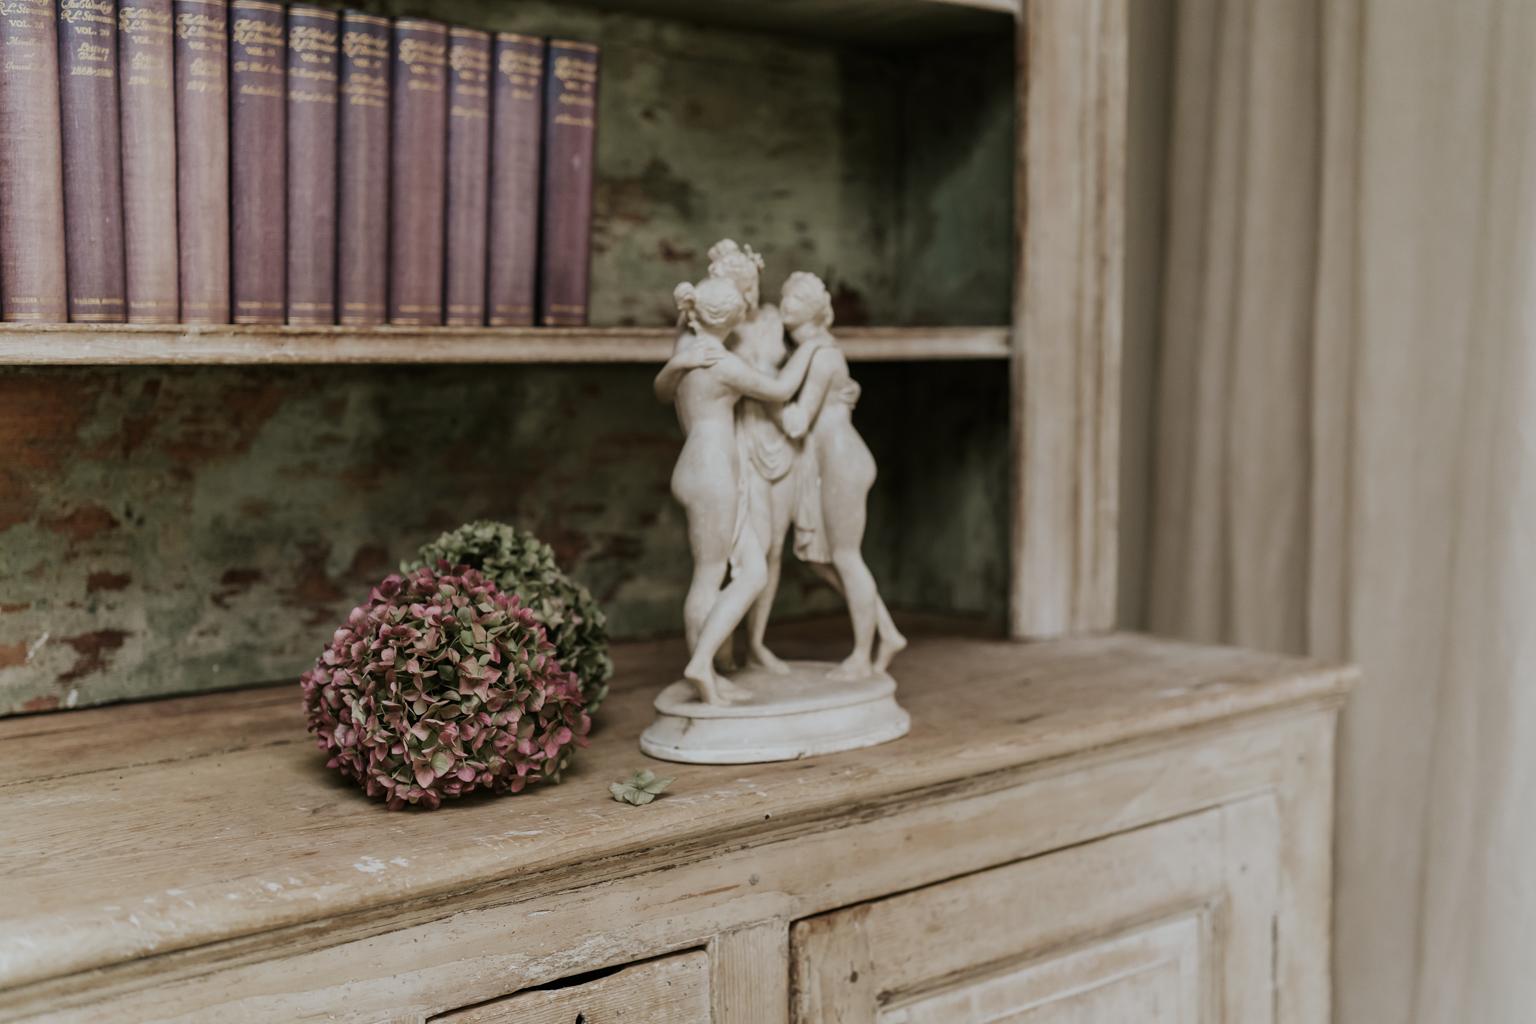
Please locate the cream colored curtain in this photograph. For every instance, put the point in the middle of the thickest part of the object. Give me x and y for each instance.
(1344, 446)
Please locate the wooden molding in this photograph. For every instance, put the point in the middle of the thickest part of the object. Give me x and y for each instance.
(131, 344)
(1066, 346)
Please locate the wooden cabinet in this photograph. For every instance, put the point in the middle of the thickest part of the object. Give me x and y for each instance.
(1092, 829)
(1168, 924)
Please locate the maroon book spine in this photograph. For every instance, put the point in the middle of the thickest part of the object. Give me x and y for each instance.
(313, 36)
(362, 199)
(93, 184)
(202, 159)
(31, 165)
(469, 169)
(570, 131)
(417, 168)
(258, 191)
(516, 127)
(147, 107)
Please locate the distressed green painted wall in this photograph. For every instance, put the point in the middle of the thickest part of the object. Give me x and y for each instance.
(166, 531)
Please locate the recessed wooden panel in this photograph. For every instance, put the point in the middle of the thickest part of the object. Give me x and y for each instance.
(1151, 976)
(670, 990)
(989, 947)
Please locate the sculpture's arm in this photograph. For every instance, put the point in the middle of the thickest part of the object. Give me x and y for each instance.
(691, 357)
(755, 384)
(802, 412)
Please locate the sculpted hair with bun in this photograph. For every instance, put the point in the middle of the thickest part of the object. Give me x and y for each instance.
(714, 303)
(737, 263)
(805, 300)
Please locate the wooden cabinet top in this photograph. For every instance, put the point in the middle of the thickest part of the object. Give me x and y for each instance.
(176, 824)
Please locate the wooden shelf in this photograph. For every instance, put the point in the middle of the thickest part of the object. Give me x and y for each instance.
(207, 830)
(860, 21)
(122, 345)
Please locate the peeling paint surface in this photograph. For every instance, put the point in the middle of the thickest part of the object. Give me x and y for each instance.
(244, 511)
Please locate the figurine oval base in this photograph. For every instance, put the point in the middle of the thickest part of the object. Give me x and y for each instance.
(801, 714)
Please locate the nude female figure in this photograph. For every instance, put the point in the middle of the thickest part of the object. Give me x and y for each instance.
(764, 444)
(708, 479)
(834, 476)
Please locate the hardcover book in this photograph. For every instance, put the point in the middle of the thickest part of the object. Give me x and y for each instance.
(202, 159)
(570, 128)
(258, 136)
(31, 165)
(469, 155)
(313, 37)
(417, 172)
(147, 109)
(362, 200)
(516, 128)
(93, 188)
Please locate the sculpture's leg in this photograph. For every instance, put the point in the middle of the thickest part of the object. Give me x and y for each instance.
(780, 496)
(730, 607)
(757, 619)
(859, 589)
(702, 591)
(892, 642)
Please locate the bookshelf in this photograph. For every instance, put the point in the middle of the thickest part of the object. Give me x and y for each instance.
(232, 345)
(186, 506)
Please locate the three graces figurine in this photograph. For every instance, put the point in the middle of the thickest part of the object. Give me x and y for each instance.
(770, 447)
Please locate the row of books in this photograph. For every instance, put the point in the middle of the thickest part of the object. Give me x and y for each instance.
(218, 161)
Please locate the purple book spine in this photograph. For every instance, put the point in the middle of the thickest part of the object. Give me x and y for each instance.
(258, 138)
(93, 184)
(313, 36)
(517, 120)
(362, 197)
(570, 130)
(419, 153)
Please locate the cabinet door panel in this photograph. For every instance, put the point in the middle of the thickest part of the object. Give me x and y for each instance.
(1148, 975)
(1169, 924)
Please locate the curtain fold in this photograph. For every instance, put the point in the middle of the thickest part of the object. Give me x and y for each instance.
(1344, 444)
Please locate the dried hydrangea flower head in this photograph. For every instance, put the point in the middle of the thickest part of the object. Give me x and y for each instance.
(441, 685)
(714, 306)
(519, 563)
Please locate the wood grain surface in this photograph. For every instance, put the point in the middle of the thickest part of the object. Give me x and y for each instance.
(214, 818)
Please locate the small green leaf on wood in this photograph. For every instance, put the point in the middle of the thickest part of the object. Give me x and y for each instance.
(640, 788)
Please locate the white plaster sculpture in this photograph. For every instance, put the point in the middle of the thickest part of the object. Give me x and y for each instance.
(770, 445)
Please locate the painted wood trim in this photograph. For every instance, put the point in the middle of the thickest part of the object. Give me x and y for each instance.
(1066, 346)
(102, 345)
(750, 974)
